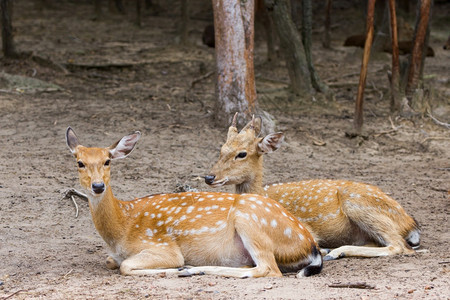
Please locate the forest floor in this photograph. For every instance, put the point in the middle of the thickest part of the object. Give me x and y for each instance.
(121, 78)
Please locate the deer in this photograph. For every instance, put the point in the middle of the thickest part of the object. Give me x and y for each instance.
(351, 218)
(190, 233)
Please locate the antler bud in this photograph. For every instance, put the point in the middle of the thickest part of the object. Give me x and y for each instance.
(233, 124)
(252, 126)
(232, 131)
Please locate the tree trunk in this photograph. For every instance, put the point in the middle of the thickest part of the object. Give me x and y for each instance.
(234, 40)
(327, 25)
(307, 44)
(291, 46)
(6, 7)
(184, 25)
(395, 76)
(416, 60)
(358, 121)
(139, 12)
(381, 26)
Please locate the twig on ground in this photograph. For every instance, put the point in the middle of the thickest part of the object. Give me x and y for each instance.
(394, 129)
(271, 101)
(356, 285)
(68, 273)
(439, 189)
(101, 66)
(392, 124)
(444, 262)
(15, 293)
(329, 80)
(377, 90)
(73, 192)
(9, 92)
(316, 141)
(434, 138)
(76, 206)
(198, 79)
(447, 125)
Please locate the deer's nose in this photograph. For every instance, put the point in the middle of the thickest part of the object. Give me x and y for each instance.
(98, 188)
(209, 179)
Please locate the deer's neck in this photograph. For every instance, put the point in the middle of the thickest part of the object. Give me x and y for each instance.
(108, 218)
(254, 184)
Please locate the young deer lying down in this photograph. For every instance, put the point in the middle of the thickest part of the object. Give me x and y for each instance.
(217, 233)
(340, 214)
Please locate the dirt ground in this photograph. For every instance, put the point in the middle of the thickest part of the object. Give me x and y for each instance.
(121, 78)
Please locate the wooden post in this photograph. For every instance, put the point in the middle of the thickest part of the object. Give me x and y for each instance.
(395, 78)
(358, 121)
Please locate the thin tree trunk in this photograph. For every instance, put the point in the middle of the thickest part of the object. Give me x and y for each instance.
(184, 26)
(381, 26)
(327, 25)
(291, 46)
(6, 7)
(358, 121)
(306, 39)
(416, 60)
(395, 77)
(139, 12)
(234, 40)
(97, 9)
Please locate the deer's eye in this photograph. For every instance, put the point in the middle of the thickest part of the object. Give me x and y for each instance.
(80, 164)
(241, 155)
(107, 162)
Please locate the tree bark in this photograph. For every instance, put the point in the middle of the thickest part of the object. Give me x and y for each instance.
(234, 40)
(358, 121)
(139, 12)
(184, 25)
(6, 7)
(307, 44)
(327, 25)
(416, 60)
(381, 26)
(395, 76)
(291, 46)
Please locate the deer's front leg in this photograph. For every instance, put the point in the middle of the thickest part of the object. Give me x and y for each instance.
(111, 263)
(154, 261)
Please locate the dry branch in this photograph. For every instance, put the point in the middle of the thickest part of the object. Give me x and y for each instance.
(198, 79)
(73, 192)
(356, 285)
(446, 125)
(434, 138)
(13, 294)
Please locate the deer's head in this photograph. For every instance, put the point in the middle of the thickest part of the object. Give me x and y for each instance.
(240, 158)
(94, 163)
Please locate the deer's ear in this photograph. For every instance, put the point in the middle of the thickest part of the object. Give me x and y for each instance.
(71, 140)
(270, 143)
(124, 146)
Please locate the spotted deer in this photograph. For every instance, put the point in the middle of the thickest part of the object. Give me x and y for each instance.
(215, 233)
(356, 219)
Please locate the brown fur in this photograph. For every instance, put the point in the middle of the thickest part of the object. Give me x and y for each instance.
(337, 212)
(219, 233)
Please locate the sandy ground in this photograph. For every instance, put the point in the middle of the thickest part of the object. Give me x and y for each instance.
(123, 78)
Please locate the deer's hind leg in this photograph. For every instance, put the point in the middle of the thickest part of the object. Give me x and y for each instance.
(257, 245)
(382, 231)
